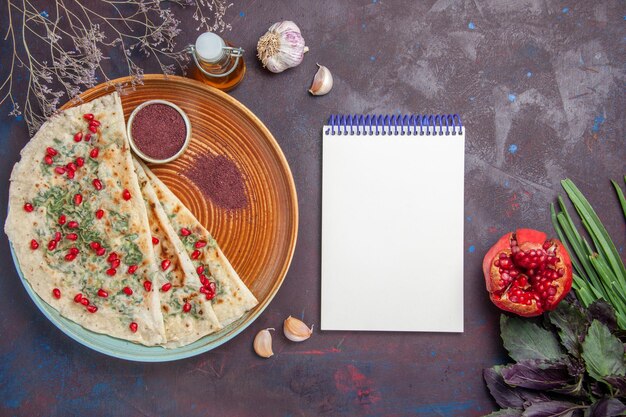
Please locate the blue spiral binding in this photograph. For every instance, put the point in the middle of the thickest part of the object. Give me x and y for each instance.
(396, 124)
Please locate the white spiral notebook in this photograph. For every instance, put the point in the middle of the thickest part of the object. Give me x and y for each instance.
(392, 223)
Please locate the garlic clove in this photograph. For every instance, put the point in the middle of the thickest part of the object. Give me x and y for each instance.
(295, 330)
(263, 343)
(322, 82)
(281, 47)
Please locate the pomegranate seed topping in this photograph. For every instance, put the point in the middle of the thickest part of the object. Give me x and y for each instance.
(52, 245)
(127, 291)
(95, 245)
(166, 287)
(195, 254)
(133, 327)
(73, 251)
(51, 151)
(200, 244)
(101, 251)
(94, 153)
(48, 159)
(56, 293)
(71, 166)
(28, 207)
(211, 286)
(111, 271)
(34, 244)
(78, 199)
(62, 219)
(204, 280)
(92, 309)
(185, 232)
(115, 263)
(112, 257)
(200, 269)
(78, 137)
(93, 129)
(97, 184)
(99, 214)
(155, 241)
(165, 264)
(204, 290)
(88, 116)
(71, 236)
(210, 296)
(84, 301)
(147, 285)
(94, 123)
(70, 175)
(186, 307)
(78, 297)
(57, 236)
(132, 269)
(80, 162)
(102, 293)
(72, 225)
(126, 195)
(87, 137)
(70, 257)
(59, 170)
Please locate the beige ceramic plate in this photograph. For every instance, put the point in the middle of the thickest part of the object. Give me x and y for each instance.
(259, 239)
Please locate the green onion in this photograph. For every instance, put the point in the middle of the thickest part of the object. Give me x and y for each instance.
(599, 271)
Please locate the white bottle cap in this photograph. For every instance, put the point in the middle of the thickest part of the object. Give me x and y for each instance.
(210, 47)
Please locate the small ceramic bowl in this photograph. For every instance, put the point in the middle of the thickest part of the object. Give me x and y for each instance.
(136, 149)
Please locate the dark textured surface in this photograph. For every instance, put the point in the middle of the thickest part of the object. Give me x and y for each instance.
(540, 86)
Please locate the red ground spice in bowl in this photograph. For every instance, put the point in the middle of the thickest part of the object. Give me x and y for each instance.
(159, 131)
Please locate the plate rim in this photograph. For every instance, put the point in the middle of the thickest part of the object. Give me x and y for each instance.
(172, 354)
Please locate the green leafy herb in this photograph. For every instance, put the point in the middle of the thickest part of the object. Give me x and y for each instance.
(599, 270)
(571, 323)
(526, 340)
(132, 253)
(603, 352)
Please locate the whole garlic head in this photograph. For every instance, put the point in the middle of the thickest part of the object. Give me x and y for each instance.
(281, 47)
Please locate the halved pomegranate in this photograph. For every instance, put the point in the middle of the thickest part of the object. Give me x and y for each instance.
(526, 273)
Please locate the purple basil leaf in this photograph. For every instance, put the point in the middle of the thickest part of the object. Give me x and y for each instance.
(572, 323)
(603, 312)
(507, 396)
(608, 407)
(507, 412)
(618, 384)
(540, 375)
(554, 408)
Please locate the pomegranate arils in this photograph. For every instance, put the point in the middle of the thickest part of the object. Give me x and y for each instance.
(59, 170)
(115, 263)
(78, 199)
(101, 251)
(51, 151)
(80, 162)
(56, 293)
(200, 244)
(70, 257)
(84, 301)
(94, 245)
(126, 195)
(94, 153)
(62, 219)
(34, 244)
(48, 160)
(147, 285)
(155, 241)
(200, 269)
(87, 137)
(97, 184)
(102, 293)
(92, 309)
(88, 116)
(94, 123)
(186, 307)
(70, 175)
(132, 269)
(166, 287)
(165, 264)
(71, 236)
(73, 224)
(204, 280)
(93, 129)
(185, 232)
(133, 327)
(52, 245)
(195, 254)
(78, 137)
(78, 297)
(111, 271)
(127, 291)
(71, 166)
(112, 256)
(99, 214)
(73, 251)
(28, 207)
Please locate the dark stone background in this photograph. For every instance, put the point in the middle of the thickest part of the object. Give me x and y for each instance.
(540, 86)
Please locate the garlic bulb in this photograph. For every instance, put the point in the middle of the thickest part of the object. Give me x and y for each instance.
(281, 47)
(263, 343)
(322, 82)
(295, 330)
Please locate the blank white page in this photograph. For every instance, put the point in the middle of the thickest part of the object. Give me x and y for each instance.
(392, 232)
